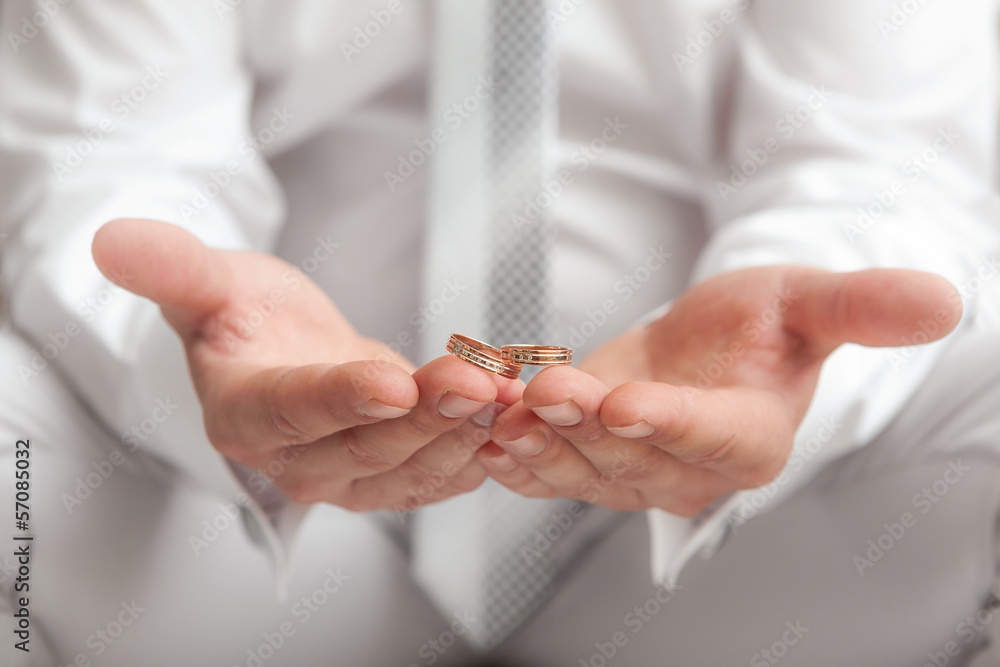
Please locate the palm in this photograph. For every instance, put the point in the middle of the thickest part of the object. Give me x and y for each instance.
(274, 317)
(288, 385)
(706, 400)
(726, 333)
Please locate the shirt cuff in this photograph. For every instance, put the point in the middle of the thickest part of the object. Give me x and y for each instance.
(272, 520)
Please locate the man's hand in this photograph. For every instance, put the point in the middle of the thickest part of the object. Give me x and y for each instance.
(287, 384)
(707, 399)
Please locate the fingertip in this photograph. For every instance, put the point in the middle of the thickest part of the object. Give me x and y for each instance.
(874, 307)
(925, 295)
(109, 248)
(450, 374)
(628, 407)
(378, 410)
(164, 263)
(509, 391)
(495, 459)
(907, 296)
(488, 415)
(385, 383)
(954, 307)
(558, 384)
(512, 421)
(617, 406)
(100, 246)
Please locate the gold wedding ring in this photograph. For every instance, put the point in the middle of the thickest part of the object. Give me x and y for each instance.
(536, 355)
(481, 355)
(508, 360)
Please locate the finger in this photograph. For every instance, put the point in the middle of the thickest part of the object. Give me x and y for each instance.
(654, 477)
(502, 467)
(743, 433)
(450, 391)
(289, 406)
(554, 460)
(876, 307)
(570, 401)
(509, 391)
(432, 472)
(165, 264)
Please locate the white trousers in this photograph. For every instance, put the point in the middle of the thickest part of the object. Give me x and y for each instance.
(888, 558)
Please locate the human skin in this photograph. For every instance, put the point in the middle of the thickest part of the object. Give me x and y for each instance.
(707, 399)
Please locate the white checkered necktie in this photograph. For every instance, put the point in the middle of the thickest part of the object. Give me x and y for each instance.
(494, 554)
(523, 131)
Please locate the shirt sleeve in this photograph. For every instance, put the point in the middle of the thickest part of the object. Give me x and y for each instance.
(860, 135)
(134, 109)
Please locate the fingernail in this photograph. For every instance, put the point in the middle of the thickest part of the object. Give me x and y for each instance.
(503, 463)
(564, 414)
(532, 444)
(640, 430)
(454, 406)
(373, 408)
(487, 415)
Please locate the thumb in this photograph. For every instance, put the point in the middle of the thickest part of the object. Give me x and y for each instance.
(165, 264)
(875, 307)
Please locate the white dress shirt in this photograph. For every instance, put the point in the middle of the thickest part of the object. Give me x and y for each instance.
(723, 134)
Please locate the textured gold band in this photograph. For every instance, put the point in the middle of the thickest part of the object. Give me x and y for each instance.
(481, 355)
(536, 355)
